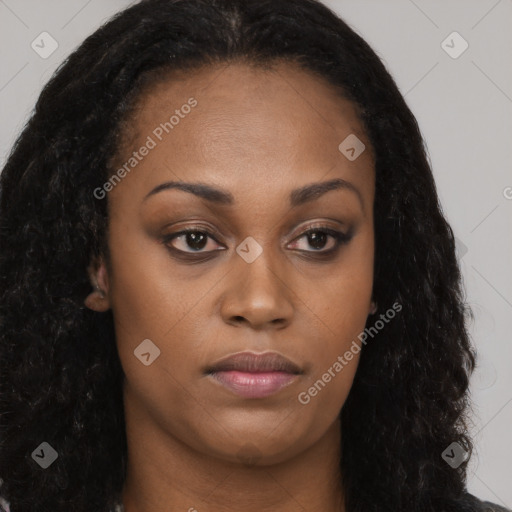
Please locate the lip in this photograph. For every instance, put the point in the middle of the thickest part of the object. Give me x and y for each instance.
(252, 375)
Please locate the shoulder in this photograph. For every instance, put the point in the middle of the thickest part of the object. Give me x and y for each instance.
(487, 506)
(472, 503)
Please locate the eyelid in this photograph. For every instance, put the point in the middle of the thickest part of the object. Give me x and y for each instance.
(340, 238)
(306, 228)
(210, 230)
(166, 239)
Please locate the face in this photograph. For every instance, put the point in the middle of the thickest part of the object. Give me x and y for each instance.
(279, 257)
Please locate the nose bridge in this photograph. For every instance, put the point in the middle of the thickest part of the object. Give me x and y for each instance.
(258, 293)
(260, 271)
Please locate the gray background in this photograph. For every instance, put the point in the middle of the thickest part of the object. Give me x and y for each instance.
(463, 106)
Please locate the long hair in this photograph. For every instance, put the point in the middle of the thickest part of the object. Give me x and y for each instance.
(60, 374)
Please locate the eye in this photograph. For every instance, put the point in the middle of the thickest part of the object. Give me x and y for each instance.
(319, 237)
(195, 240)
(191, 238)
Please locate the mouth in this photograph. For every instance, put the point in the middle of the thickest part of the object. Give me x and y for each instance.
(252, 375)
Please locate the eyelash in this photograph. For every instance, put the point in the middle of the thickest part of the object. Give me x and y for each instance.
(340, 239)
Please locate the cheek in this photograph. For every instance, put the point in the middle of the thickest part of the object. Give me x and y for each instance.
(339, 313)
(152, 316)
(150, 300)
(341, 303)
(146, 298)
(334, 361)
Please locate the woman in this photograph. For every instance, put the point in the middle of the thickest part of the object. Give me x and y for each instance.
(227, 282)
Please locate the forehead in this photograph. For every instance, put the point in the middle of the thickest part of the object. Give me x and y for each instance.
(250, 128)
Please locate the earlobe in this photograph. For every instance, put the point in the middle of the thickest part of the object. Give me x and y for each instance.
(98, 299)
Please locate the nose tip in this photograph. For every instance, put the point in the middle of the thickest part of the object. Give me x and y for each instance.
(258, 296)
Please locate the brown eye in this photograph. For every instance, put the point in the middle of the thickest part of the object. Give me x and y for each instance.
(193, 239)
(318, 239)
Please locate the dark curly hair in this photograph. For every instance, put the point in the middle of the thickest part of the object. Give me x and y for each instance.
(60, 374)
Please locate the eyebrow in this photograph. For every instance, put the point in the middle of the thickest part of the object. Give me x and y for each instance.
(219, 196)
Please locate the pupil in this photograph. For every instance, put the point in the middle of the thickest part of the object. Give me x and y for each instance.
(196, 241)
(317, 239)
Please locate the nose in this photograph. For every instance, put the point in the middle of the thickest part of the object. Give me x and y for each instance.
(258, 295)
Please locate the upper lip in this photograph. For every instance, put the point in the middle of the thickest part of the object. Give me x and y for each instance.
(252, 362)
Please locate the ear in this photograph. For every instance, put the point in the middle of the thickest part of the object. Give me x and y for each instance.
(98, 299)
(373, 308)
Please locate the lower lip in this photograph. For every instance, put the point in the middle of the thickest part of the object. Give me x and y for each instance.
(254, 385)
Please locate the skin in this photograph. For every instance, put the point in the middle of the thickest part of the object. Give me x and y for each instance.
(258, 134)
